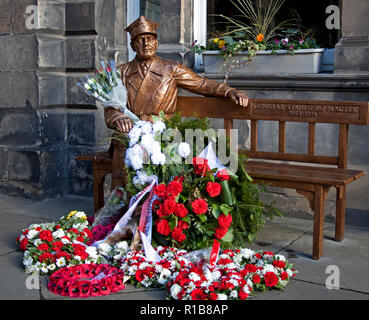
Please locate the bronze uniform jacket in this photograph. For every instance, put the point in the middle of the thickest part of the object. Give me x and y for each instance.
(157, 90)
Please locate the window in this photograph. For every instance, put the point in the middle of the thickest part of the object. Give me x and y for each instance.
(312, 14)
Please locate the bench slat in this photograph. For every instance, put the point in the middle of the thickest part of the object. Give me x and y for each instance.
(307, 174)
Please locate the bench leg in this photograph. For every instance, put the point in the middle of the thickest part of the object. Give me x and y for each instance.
(319, 196)
(340, 213)
(99, 178)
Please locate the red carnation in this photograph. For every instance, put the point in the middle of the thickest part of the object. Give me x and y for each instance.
(284, 275)
(23, 244)
(223, 174)
(271, 279)
(213, 189)
(62, 254)
(183, 225)
(162, 226)
(45, 257)
(46, 235)
(220, 232)
(80, 239)
(175, 188)
(279, 264)
(198, 294)
(178, 234)
(199, 206)
(160, 190)
(169, 206)
(243, 295)
(43, 247)
(201, 166)
(224, 221)
(180, 211)
(256, 279)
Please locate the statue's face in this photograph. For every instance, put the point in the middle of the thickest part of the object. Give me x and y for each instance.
(145, 46)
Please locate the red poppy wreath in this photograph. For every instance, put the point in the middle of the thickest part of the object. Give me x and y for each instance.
(86, 280)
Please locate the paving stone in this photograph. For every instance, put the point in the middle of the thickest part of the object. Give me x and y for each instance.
(12, 225)
(5, 16)
(13, 279)
(351, 256)
(55, 208)
(299, 290)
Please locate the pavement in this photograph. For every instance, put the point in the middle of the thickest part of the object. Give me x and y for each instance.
(343, 265)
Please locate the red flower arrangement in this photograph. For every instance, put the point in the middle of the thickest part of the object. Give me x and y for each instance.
(86, 280)
(190, 211)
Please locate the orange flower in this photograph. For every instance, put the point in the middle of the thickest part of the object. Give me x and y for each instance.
(260, 37)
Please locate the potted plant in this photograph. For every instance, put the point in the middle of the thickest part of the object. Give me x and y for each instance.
(260, 46)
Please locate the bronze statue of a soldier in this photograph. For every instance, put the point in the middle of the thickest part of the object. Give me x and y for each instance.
(152, 85)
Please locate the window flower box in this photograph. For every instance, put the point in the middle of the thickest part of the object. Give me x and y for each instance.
(268, 62)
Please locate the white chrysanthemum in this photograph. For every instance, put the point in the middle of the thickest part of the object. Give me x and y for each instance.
(142, 177)
(143, 265)
(268, 268)
(78, 258)
(37, 242)
(289, 272)
(27, 261)
(184, 149)
(134, 135)
(164, 276)
(92, 252)
(32, 234)
(222, 296)
(146, 127)
(58, 233)
(104, 248)
(51, 267)
(134, 157)
(30, 269)
(81, 215)
(216, 275)
(60, 262)
(158, 126)
(147, 142)
(194, 276)
(280, 257)
(175, 290)
(44, 269)
(65, 241)
(233, 294)
(247, 253)
(123, 245)
(158, 159)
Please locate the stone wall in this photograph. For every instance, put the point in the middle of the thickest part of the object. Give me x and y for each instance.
(45, 120)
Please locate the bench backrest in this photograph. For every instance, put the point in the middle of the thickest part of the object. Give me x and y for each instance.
(312, 112)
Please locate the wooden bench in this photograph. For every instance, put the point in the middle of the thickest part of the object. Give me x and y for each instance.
(307, 179)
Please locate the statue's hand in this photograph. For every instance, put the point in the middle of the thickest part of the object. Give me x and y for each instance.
(123, 125)
(238, 97)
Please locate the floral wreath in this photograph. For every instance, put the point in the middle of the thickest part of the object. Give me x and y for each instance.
(86, 280)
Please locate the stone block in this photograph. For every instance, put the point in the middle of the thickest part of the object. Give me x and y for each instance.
(52, 89)
(24, 53)
(351, 59)
(80, 52)
(6, 49)
(51, 15)
(20, 165)
(20, 16)
(80, 172)
(358, 152)
(6, 89)
(25, 85)
(54, 170)
(75, 95)
(53, 127)
(18, 126)
(170, 22)
(81, 128)
(80, 16)
(5, 16)
(51, 51)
